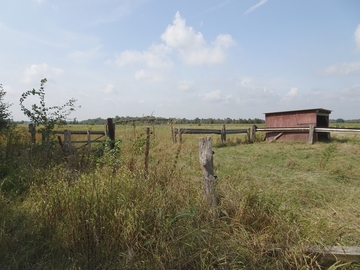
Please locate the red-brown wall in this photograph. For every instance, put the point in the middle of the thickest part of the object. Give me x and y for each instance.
(291, 119)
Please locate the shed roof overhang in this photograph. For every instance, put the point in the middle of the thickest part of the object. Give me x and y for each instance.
(319, 111)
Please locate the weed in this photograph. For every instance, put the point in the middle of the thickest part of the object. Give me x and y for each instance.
(98, 210)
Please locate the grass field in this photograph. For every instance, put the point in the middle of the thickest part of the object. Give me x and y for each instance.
(99, 210)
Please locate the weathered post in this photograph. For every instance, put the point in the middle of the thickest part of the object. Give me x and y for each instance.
(248, 135)
(67, 140)
(111, 132)
(172, 132)
(206, 162)
(311, 134)
(253, 133)
(88, 139)
(147, 149)
(223, 134)
(180, 136)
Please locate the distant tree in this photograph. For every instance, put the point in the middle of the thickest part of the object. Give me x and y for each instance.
(4, 111)
(41, 115)
(340, 120)
(228, 121)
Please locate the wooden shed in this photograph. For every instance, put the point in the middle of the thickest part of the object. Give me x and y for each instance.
(297, 119)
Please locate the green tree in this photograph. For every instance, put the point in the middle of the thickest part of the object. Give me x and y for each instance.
(4, 111)
(41, 115)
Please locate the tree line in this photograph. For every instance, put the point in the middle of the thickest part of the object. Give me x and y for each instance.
(161, 120)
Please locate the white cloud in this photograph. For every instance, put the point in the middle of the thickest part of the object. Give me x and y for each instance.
(293, 92)
(154, 57)
(212, 96)
(148, 76)
(255, 6)
(342, 69)
(37, 72)
(216, 96)
(185, 86)
(191, 45)
(108, 89)
(357, 38)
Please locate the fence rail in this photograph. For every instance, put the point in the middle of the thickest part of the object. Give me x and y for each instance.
(306, 129)
(222, 132)
(66, 142)
(311, 130)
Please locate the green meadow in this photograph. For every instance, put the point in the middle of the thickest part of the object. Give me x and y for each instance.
(99, 209)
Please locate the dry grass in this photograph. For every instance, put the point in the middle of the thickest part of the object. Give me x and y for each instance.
(100, 211)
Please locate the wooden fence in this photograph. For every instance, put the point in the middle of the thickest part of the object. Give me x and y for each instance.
(311, 130)
(66, 142)
(177, 132)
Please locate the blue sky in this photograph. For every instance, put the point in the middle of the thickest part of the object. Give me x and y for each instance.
(179, 58)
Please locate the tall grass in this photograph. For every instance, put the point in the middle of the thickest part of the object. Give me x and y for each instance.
(101, 211)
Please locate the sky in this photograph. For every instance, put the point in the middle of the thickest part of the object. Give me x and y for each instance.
(181, 58)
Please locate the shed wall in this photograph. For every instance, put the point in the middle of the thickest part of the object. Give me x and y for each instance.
(294, 119)
(298, 119)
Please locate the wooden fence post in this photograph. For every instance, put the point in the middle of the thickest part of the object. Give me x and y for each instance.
(206, 162)
(223, 134)
(147, 148)
(248, 135)
(32, 130)
(67, 140)
(89, 138)
(253, 133)
(311, 134)
(172, 132)
(180, 135)
(111, 132)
